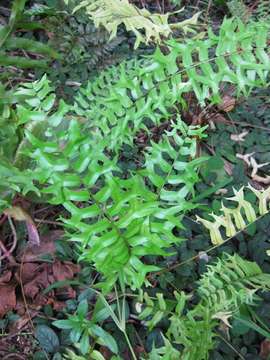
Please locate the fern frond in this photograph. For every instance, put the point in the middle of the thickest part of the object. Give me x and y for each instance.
(239, 9)
(231, 282)
(24, 63)
(146, 26)
(115, 221)
(166, 352)
(222, 289)
(233, 219)
(84, 46)
(9, 42)
(171, 164)
(14, 181)
(122, 101)
(262, 11)
(33, 104)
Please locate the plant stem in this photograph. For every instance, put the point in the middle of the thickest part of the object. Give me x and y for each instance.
(130, 346)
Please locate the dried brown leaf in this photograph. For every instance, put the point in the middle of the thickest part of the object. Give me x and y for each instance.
(265, 349)
(47, 246)
(64, 271)
(7, 294)
(227, 104)
(19, 214)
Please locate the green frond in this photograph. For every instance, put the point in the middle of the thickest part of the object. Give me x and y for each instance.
(14, 181)
(22, 62)
(230, 282)
(262, 11)
(171, 164)
(33, 112)
(134, 94)
(239, 9)
(84, 48)
(120, 220)
(9, 42)
(222, 289)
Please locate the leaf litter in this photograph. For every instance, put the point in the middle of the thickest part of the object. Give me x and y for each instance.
(34, 276)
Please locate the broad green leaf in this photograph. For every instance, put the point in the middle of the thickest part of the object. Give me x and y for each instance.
(47, 338)
(105, 338)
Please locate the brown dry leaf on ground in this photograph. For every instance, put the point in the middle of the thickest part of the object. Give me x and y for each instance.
(7, 293)
(16, 347)
(227, 104)
(19, 214)
(65, 271)
(47, 246)
(265, 349)
(36, 276)
(22, 322)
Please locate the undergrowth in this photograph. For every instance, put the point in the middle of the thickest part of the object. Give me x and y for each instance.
(118, 220)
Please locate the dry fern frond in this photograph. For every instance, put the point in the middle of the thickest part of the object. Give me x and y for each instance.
(237, 218)
(147, 27)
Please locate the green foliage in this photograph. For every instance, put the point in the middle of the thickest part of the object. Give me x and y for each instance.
(222, 290)
(31, 111)
(117, 221)
(124, 99)
(238, 8)
(120, 220)
(163, 158)
(262, 11)
(14, 181)
(31, 102)
(95, 355)
(85, 48)
(19, 106)
(8, 42)
(81, 328)
(47, 338)
(146, 26)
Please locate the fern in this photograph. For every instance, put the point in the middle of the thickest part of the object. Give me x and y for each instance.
(250, 14)
(262, 11)
(118, 220)
(85, 48)
(222, 289)
(11, 131)
(114, 221)
(33, 104)
(14, 181)
(231, 282)
(169, 158)
(239, 9)
(124, 99)
(232, 218)
(9, 42)
(146, 26)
